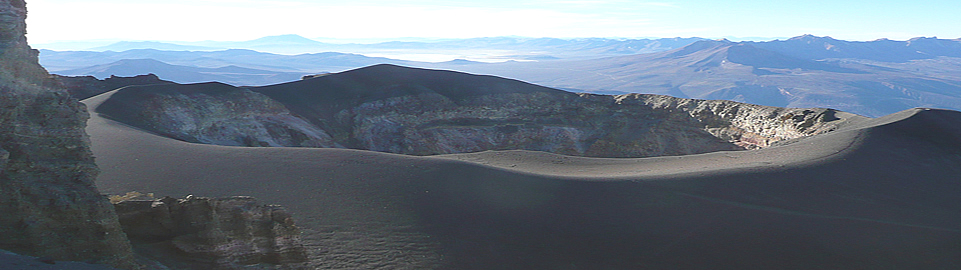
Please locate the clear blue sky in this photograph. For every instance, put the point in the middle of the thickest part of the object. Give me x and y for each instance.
(195, 20)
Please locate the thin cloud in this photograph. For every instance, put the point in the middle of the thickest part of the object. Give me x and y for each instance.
(661, 4)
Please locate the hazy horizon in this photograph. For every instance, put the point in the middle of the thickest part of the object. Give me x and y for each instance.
(220, 20)
(374, 40)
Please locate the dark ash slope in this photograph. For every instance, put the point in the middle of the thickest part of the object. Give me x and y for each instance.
(876, 194)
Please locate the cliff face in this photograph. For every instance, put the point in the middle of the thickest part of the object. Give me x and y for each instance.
(428, 112)
(214, 233)
(18, 62)
(48, 199)
(585, 125)
(564, 124)
(214, 113)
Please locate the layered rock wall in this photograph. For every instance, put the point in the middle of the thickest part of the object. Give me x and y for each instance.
(633, 125)
(542, 121)
(48, 199)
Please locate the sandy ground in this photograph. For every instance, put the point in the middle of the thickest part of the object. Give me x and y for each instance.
(879, 195)
(13, 261)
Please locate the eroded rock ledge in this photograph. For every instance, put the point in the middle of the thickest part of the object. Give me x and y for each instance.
(213, 233)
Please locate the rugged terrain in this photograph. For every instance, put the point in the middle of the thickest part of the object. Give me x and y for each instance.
(427, 112)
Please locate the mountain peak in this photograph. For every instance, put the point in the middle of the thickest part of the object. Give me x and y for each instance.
(334, 92)
(818, 48)
(700, 45)
(811, 38)
(922, 38)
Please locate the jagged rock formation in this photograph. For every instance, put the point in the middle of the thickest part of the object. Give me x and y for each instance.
(747, 125)
(18, 62)
(426, 112)
(82, 87)
(48, 199)
(213, 233)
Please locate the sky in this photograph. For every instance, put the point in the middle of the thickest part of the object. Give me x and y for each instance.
(237, 20)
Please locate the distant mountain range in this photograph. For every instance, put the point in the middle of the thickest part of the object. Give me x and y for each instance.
(236, 67)
(813, 47)
(233, 74)
(869, 78)
(492, 48)
(156, 45)
(58, 61)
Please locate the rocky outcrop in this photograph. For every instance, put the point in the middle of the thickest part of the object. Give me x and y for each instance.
(82, 87)
(427, 112)
(213, 233)
(747, 125)
(50, 205)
